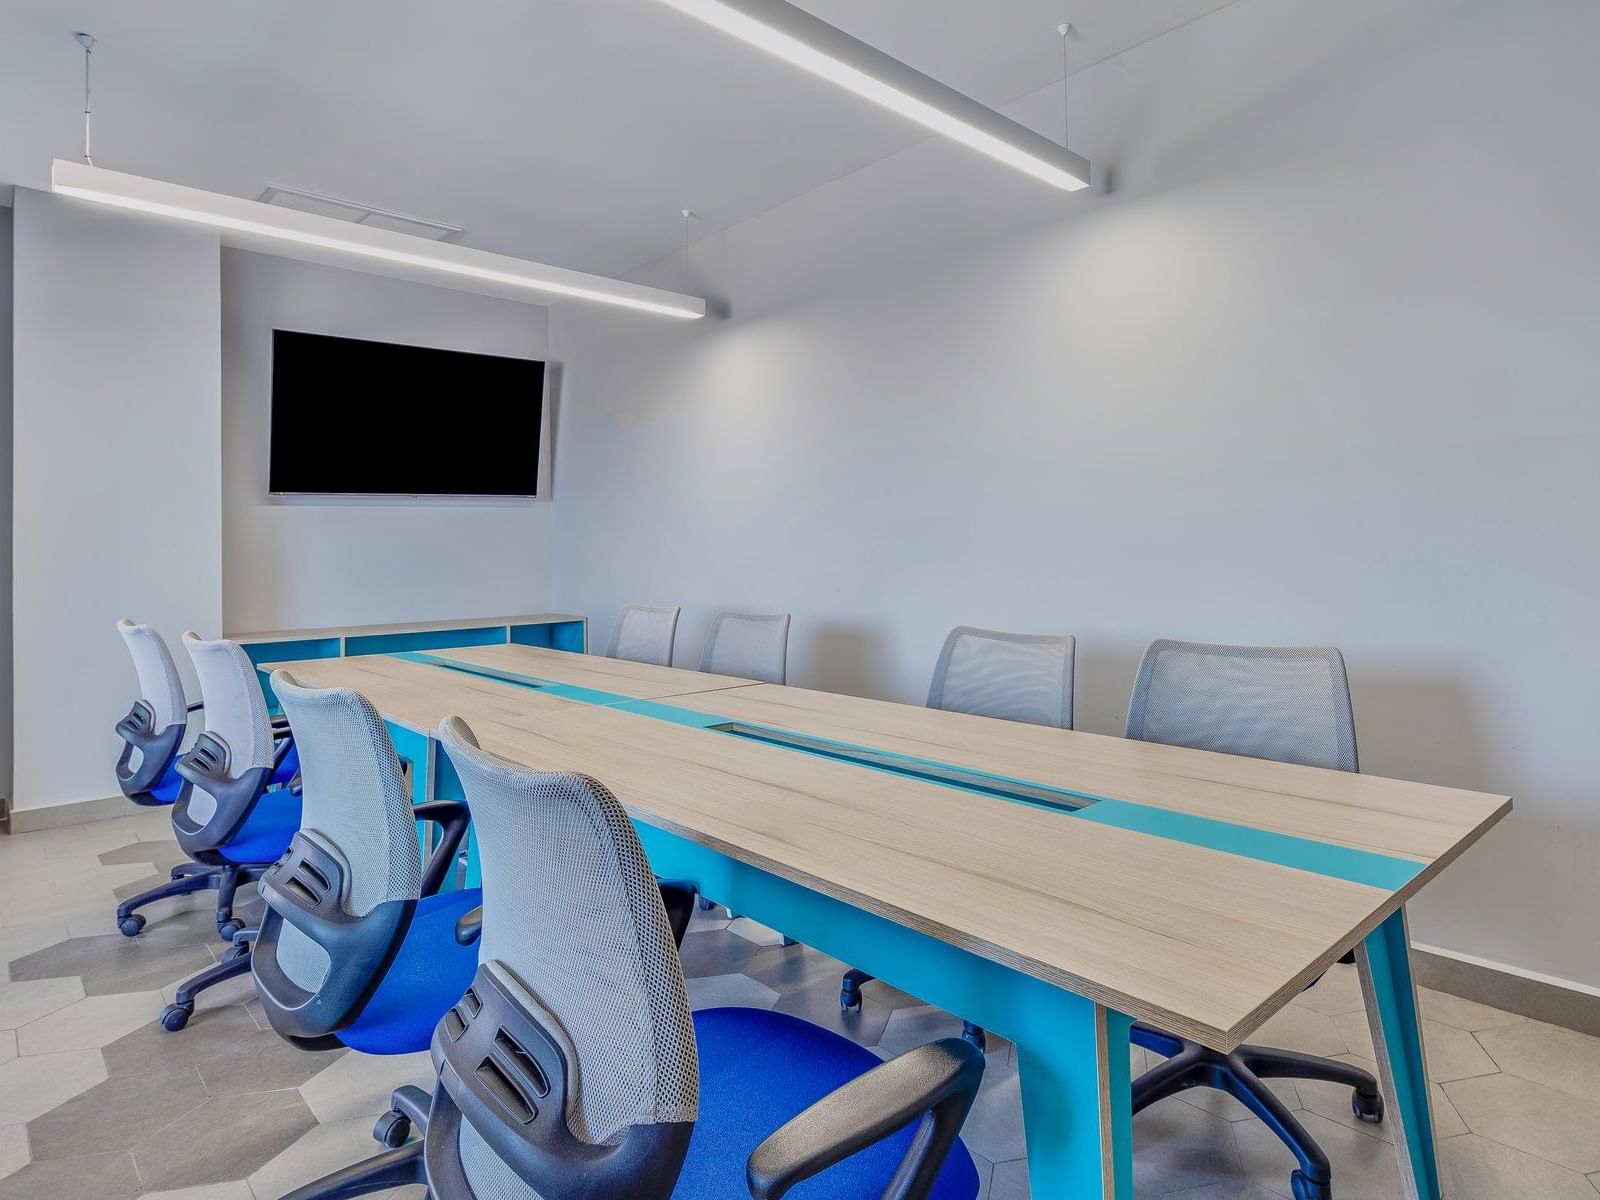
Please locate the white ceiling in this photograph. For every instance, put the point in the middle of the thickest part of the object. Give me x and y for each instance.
(569, 131)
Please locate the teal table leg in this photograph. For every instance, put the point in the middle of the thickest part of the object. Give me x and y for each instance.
(1384, 960)
(1077, 1102)
(418, 750)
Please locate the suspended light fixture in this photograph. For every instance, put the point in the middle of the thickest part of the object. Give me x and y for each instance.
(810, 43)
(252, 225)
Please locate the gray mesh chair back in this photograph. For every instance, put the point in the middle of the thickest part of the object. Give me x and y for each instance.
(748, 645)
(1286, 703)
(645, 635)
(159, 683)
(355, 806)
(574, 928)
(236, 712)
(1013, 676)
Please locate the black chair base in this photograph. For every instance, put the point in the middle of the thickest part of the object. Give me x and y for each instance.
(408, 1110)
(188, 878)
(850, 998)
(235, 963)
(390, 1169)
(1241, 1075)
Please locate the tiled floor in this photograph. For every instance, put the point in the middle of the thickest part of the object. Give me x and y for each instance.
(97, 1103)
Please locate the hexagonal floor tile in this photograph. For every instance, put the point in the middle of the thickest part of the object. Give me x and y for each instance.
(100, 1176)
(1178, 1147)
(261, 1062)
(150, 1048)
(1302, 1029)
(89, 1023)
(116, 1114)
(1475, 1168)
(1552, 1125)
(1547, 1054)
(1332, 1100)
(29, 999)
(223, 1139)
(1363, 1166)
(1451, 1053)
(1338, 991)
(358, 1085)
(31, 1087)
(114, 963)
(1463, 1014)
(13, 1149)
(730, 991)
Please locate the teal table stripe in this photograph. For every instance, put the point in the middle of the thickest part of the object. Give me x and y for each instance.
(1304, 854)
(1244, 841)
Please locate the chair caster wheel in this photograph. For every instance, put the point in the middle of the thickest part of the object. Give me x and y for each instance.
(705, 905)
(131, 925)
(175, 1016)
(1367, 1108)
(1305, 1189)
(850, 1001)
(227, 929)
(392, 1129)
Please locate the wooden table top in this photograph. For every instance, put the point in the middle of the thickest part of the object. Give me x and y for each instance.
(1203, 942)
(639, 681)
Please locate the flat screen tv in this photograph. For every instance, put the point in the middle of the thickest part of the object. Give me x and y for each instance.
(352, 417)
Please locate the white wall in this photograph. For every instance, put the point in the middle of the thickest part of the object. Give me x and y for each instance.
(117, 482)
(5, 502)
(305, 563)
(1320, 368)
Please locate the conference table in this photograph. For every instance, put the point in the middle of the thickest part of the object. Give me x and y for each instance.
(1050, 886)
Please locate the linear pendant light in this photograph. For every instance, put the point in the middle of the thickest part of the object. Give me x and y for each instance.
(249, 224)
(797, 37)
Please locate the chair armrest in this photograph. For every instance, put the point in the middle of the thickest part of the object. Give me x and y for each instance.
(470, 927)
(936, 1083)
(452, 817)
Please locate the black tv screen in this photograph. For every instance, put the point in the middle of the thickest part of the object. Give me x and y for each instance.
(352, 417)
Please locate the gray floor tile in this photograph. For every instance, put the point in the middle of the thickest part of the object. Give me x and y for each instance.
(114, 963)
(31, 1087)
(261, 1062)
(190, 1152)
(1451, 1053)
(819, 1004)
(117, 1114)
(1177, 1147)
(89, 1023)
(150, 1048)
(1530, 1117)
(13, 1149)
(27, 1000)
(317, 1152)
(1009, 1181)
(1463, 1014)
(358, 1085)
(100, 1177)
(1475, 1168)
(729, 991)
(1555, 1057)
(1364, 1167)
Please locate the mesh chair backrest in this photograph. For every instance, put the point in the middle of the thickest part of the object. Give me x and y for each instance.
(1014, 676)
(645, 634)
(748, 645)
(354, 802)
(236, 712)
(159, 684)
(573, 919)
(1286, 703)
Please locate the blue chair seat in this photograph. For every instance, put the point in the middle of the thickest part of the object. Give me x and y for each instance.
(430, 972)
(285, 771)
(167, 788)
(757, 1070)
(265, 834)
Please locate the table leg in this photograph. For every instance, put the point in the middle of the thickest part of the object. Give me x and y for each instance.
(1077, 1102)
(1384, 960)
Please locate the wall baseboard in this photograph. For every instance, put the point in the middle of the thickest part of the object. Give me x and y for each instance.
(1527, 993)
(81, 812)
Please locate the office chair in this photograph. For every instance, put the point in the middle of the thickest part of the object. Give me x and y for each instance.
(239, 806)
(748, 645)
(989, 673)
(573, 1068)
(152, 735)
(645, 635)
(1292, 705)
(358, 945)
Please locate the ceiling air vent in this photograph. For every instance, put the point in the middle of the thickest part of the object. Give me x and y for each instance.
(361, 214)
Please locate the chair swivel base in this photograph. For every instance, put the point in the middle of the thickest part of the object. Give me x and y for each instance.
(188, 878)
(234, 963)
(850, 998)
(1242, 1075)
